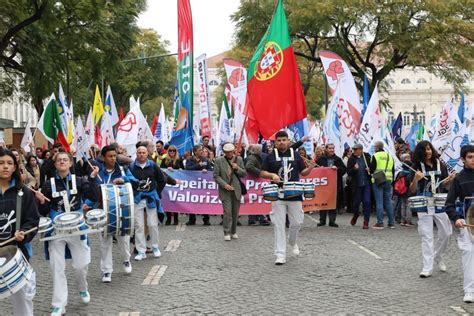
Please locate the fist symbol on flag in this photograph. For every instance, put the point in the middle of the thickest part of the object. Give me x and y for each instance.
(334, 69)
(127, 123)
(235, 77)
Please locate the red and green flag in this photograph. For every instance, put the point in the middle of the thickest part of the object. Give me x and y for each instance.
(50, 124)
(274, 88)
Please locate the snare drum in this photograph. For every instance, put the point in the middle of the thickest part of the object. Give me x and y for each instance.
(293, 189)
(45, 226)
(270, 192)
(118, 203)
(68, 223)
(15, 271)
(440, 201)
(418, 204)
(96, 218)
(309, 190)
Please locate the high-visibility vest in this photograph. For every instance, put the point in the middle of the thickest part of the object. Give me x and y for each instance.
(382, 164)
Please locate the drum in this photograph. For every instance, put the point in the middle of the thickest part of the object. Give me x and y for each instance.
(270, 192)
(293, 189)
(468, 208)
(309, 190)
(118, 203)
(45, 226)
(418, 204)
(15, 271)
(96, 218)
(440, 201)
(68, 223)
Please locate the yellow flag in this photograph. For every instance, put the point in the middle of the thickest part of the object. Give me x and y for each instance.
(98, 107)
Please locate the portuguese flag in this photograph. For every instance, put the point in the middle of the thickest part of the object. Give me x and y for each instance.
(50, 124)
(274, 88)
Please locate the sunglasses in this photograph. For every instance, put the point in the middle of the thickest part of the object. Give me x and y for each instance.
(172, 151)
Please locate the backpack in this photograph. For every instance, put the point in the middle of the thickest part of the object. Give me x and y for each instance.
(400, 186)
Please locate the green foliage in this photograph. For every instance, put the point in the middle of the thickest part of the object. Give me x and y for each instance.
(373, 37)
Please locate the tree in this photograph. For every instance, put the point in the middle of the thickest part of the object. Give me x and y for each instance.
(77, 42)
(374, 37)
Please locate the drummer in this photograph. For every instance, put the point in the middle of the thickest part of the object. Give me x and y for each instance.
(10, 186)
(430, 178)
(284, 164)
(112, 173)
(67, 193)
(462, 188)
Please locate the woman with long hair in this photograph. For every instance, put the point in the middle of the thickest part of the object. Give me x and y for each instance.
(430, 179)
(172, 161)
(11, 189)
(32, 172)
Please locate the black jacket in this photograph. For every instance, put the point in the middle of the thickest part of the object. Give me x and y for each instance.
(462, 187)
(354, 173)
(8, 212)
(341, 170)
(158, 179)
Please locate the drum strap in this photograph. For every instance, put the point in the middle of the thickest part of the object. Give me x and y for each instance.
(19, 200)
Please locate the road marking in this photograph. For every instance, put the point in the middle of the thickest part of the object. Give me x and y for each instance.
(180, 227)
(459, 309)
(155, 275)
(129, 314)
(173, 245)
(373, 254)
(311, 218)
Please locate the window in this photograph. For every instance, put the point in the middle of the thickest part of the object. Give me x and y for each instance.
(390, 81)
(213, 83)
(421, 80)
(406, 81)
(391, 117)
(422, 118)
(406, 118)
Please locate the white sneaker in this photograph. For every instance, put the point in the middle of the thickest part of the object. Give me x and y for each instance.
(156, 252)
(227, 237)
(106, 277)
(58, 311)
(235, 236)
(425, 274)
(280, 260)
(468, 298)
(127, 267)
(442, 266)
(295, 250)
(141, 256)
(85, 297)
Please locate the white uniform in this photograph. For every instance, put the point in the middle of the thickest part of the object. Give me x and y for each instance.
(22, 300)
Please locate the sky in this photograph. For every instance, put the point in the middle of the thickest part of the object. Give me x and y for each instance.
(213, 30)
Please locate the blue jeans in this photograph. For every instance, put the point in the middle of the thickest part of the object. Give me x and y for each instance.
(383, 200)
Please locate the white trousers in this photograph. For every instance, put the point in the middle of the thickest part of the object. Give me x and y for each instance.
(467, 254)
(106, 264)
(81, 257)
(280, 208)
(152, 222)
(22, 300)
(430, 252)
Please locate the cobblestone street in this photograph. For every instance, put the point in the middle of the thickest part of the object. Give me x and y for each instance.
(343, 270)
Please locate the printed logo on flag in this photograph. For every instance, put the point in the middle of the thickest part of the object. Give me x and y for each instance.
(270, 62)
(127, 123)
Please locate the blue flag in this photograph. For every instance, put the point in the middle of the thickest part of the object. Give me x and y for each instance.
(182, 136)
(411, 137)
(365, 97)
(397, 126)
(461, 109)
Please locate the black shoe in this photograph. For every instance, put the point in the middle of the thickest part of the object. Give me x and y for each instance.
(168, 222)
(239, 223)
(206, 223)
(253, 223)
(114, 239)
(264, 223)
(333, 225)
(321, 224)
(221, 223)
(189, 223)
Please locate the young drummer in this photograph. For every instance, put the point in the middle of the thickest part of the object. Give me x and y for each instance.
(462, 190)
(64, 191)
(112, 173)
(18, 203)
(430, 178)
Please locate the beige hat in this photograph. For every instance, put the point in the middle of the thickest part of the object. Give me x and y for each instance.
(228, 147)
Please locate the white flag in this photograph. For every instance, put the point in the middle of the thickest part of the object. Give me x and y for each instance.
(162, 128)
(225, 134)
(127, 131)
(106, 131)
(371, 126)
(442, 132)
(63, 110)
(331, 130)
(110, 108)
(81, 140)
(27, 139)
(237, 92)
(90, 129)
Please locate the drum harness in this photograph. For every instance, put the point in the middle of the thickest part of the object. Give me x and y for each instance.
(433, 184)
(287, 167)
(66, 194)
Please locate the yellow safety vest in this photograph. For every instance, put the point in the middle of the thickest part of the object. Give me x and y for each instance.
(382, 164)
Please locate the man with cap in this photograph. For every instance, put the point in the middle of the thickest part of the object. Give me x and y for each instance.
(358, 170)
(228, 170)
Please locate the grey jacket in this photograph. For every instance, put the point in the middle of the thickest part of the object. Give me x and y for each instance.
(223, 174)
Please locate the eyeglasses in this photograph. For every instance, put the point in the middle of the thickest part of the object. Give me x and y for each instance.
(172, 151)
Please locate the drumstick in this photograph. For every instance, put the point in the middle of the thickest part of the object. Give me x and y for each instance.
(408, 166)
(13, 238)
(92, 167)
(36, 191)
(468, 225)
(445, 179)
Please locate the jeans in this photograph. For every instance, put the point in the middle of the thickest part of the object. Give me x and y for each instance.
(383, 200)
(361, 194)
